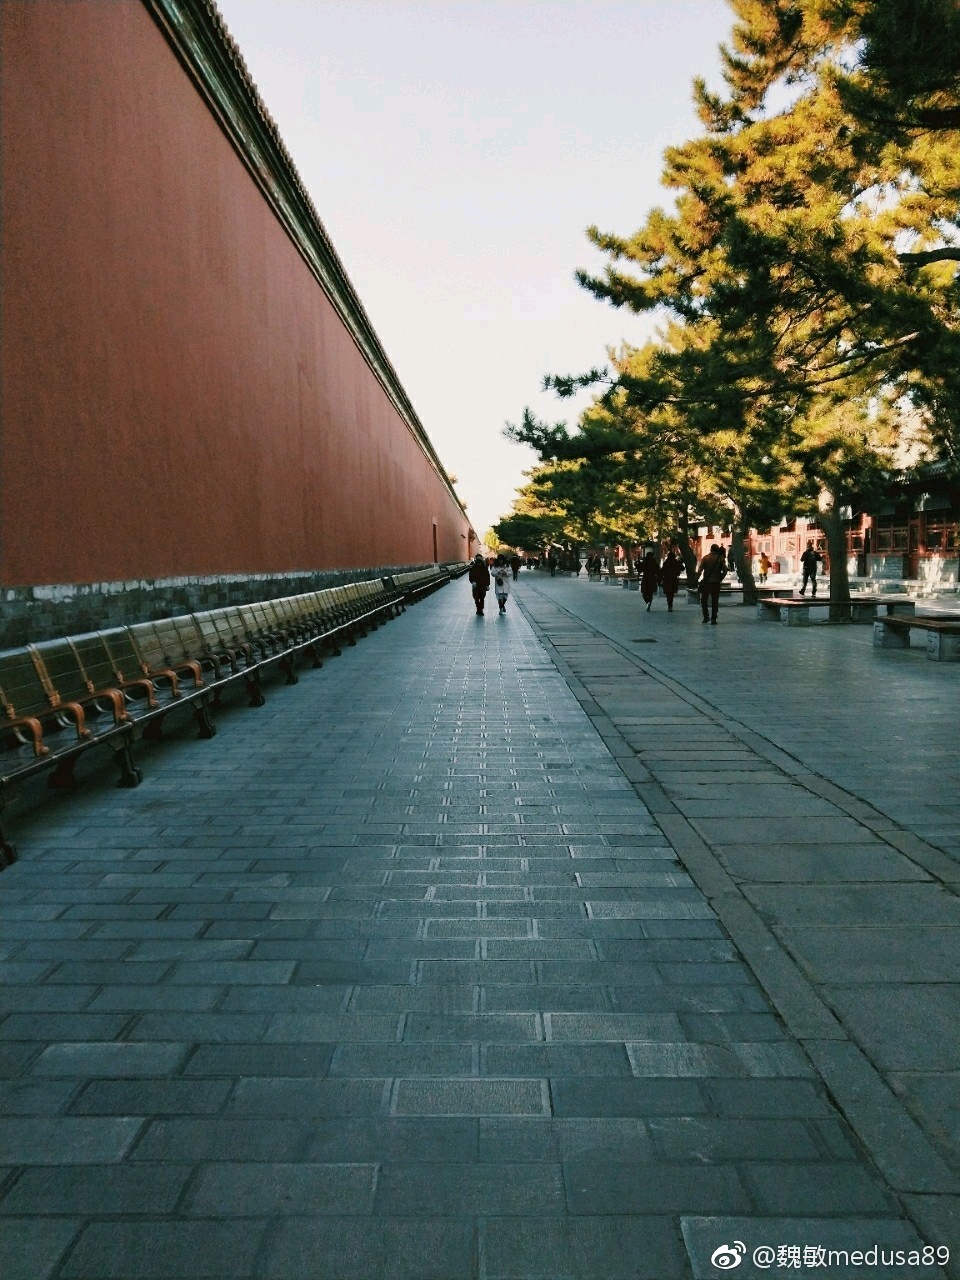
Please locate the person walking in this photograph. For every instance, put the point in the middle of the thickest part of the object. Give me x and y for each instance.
(808, 562)
(479, 577)
(649, 574)
(515, 566)
(711, 572)
(670, 572)
(501, 582)
(765, 566)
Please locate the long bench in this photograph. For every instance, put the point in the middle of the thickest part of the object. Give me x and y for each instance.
(943, 635)
(418, 583)
(795, 611)
(726, 589)
(60, 698)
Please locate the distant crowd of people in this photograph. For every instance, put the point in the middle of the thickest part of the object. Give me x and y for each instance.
(655, 575)
(665, 576)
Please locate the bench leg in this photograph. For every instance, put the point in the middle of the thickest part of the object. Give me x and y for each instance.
(312, 650)
(205, 726)
(888, 638)
(154, 730)
(62, 778)
(252, 682)
(8, 851)
(130, 775)
(795, 617)
(286, 666)
(943, 648)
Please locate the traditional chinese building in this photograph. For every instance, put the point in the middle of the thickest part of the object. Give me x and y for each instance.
(913, 533)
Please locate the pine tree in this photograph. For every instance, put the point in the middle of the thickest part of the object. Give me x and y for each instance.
(809, 261)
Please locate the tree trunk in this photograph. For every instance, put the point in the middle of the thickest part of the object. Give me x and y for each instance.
(741, 542)
(832, 524)
(687, 556)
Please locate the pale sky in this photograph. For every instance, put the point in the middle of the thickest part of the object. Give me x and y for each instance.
(456, 152)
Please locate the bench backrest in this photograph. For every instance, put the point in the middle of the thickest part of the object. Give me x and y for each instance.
(23, 690)
(276, 619)
(66, 668)
(206, 630)
(228, 630)
(158, 644)
(122, 653)
(322, 606)
(193, 640)
(258, 620)
(246, 622)
(303, 607)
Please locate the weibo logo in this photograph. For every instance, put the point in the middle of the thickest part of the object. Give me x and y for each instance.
(728, 1256)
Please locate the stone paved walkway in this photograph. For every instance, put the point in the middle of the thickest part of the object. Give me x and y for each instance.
(435, 967)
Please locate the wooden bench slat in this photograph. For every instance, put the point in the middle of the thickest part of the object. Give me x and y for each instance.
(60, 662)
(154, 659)
(25, 703)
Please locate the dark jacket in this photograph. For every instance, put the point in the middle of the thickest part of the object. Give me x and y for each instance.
(479, 575)
(649, 570)
(713, 570)
(670, 572)
(810, 560)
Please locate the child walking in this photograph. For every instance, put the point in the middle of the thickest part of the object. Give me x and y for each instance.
(501, 582)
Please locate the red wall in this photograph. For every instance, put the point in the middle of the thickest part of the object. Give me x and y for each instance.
(179, 396)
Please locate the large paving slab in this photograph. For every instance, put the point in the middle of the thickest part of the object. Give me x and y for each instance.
(843, 897)
(421, 970)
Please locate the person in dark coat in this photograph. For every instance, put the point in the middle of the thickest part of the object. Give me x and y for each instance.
(809, 562)
(712, 571)
(515, 567)
(479, 577)
(670, 572)
(649, 576)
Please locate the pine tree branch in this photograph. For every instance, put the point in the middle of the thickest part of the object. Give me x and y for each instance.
(935, 118)
(947, 253)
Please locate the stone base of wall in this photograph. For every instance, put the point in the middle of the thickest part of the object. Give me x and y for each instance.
(29, 614)
(886, 566)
